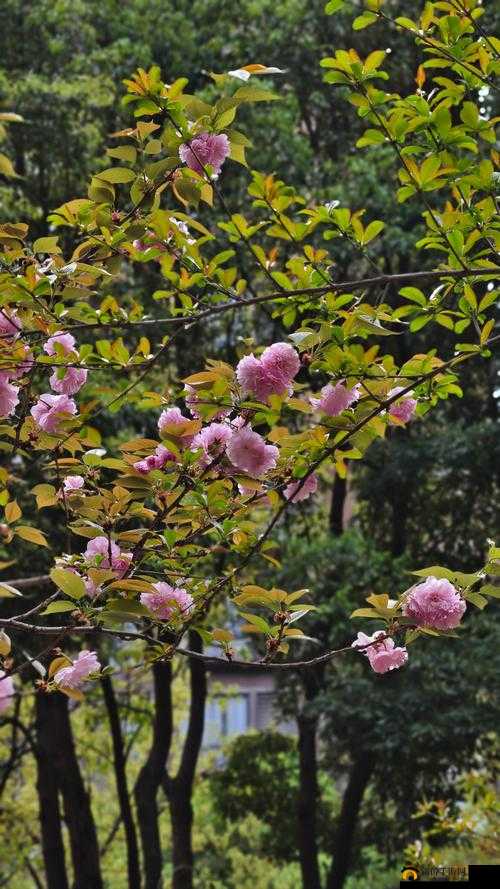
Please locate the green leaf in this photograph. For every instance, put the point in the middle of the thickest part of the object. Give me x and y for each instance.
(127, 606)
(372, 230)
(46, 245)
(257, 621)
(334, 6)
(254, 94)
(476, 599)
(414, 294)
(8, 592)
(490, 590)
(59, 607)
(12, 511)
(6, 168)
(33, 535)
(435, 571)
(117, 174)
(69, 583)
(123, 153)
(366, 612)
(363, 21)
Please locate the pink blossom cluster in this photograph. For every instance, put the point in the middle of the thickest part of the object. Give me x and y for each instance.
(213, 440)
(383, 656)
(10, 324)
(6, 690)
(300, 490)
(158, 460)
(65, 380)
(75, 675)
(10, 329)
(336, 399)
(271, 374)
(9, 396)
(173, 421)
(248, 451)
(104, 553)
(434, 603)
(50, 411)
(168, 601)
(73, 483)
(403, 409)
(205, 149)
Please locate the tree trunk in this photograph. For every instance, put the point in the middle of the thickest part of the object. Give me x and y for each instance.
(77, 811)
(180, 788)
(133, 866)
(151, 776)
(48, 799)
(339, 493)
(358, 779)
(307, 802)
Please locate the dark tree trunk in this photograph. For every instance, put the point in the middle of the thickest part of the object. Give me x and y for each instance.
(77, 811)
(48, 799)
(399, 504)
(180, 788)
(133, 866)
(339, 493)
(361, 772)
(307, 802)
(151, 776)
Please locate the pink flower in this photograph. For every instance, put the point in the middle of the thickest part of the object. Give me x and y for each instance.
(70, 381)
(205, 149)
(171, 418)
(142, 247)
(65, 340)
(383, 656)
(435, 603)
(50, 410)
(310, 486)
(23, 365)
(214, 439)
(248, 451)
(335, 399)
(404, 409)
(92, 589)
(99, 550)
(6, 690)
(158, 460)
(192, 400)
(101, 546)
(168, 601)
(73, 483)
(9, 396)
(75, 675)
(252, 377)
(10, 325)
(281, 363)
(270, 375)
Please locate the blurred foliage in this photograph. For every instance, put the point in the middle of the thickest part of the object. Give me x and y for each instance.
(260, 776)
(422, 723)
